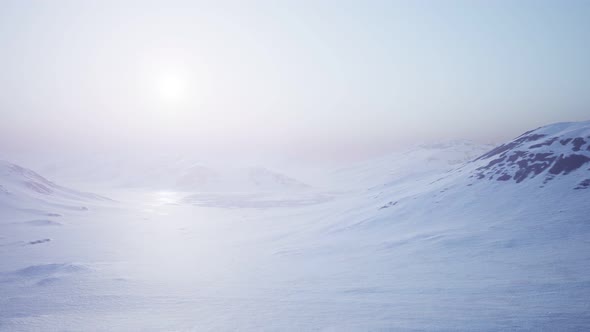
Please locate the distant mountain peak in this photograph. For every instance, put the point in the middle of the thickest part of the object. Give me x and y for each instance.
(19, 185)
(253, 178)
(549, 151)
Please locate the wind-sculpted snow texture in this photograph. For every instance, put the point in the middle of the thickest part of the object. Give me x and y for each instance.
(546, 152)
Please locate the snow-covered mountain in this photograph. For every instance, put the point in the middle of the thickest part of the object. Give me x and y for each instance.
(555, 158)
(165, 172)
(254, 187)
(21, 187)
(548, 153)
(415, 163)
(530, 193)
(239, 179)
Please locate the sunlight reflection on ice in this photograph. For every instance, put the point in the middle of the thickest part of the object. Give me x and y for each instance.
(167, 197)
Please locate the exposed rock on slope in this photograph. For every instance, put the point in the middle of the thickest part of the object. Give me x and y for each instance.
(547, 152)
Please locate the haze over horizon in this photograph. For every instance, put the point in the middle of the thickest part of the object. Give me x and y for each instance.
(328, 79)
(294, 165)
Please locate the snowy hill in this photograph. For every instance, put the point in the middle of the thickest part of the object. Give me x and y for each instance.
(23, 188)
(547, 152)
(512, 249)
(165, 172)
(462, 212)
(417, 163)
(246, 187)
(555, 157)
(246, 179)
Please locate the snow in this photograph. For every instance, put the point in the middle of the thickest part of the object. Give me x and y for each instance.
(411, 241)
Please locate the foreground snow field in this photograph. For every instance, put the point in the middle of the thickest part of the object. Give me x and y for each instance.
(431, 239)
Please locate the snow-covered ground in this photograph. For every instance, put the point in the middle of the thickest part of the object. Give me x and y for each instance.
(434, 238)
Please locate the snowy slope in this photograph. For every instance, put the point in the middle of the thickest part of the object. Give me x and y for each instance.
(548, 152)
(542, 215)
(23, 188)
(415, 162)
(552, 161)
(513, 250)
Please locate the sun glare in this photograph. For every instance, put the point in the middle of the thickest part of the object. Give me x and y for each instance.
(172, 89)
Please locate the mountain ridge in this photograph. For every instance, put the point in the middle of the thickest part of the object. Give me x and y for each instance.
(549, 151)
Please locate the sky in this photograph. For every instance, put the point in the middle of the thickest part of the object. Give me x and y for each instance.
(317, 79)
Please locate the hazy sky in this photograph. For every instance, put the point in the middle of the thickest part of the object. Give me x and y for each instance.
(306, 77)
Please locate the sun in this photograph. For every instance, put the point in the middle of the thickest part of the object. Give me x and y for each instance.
(172, 88)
